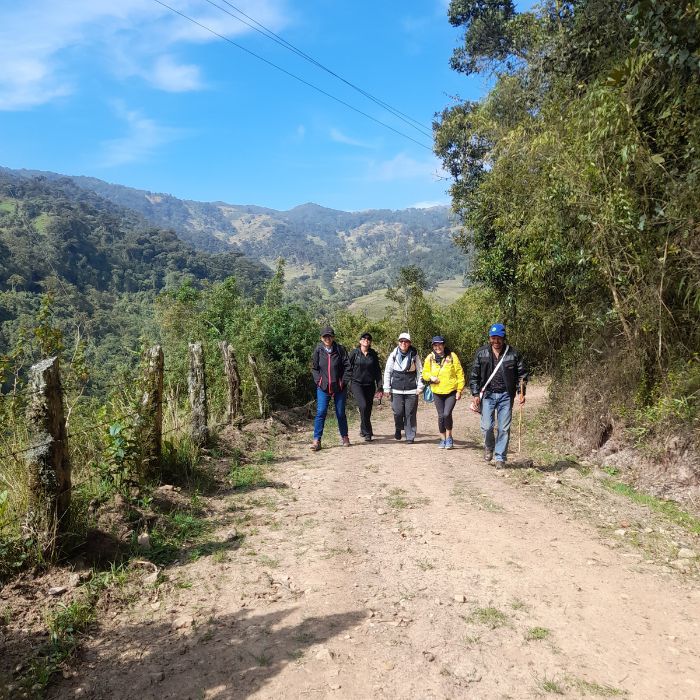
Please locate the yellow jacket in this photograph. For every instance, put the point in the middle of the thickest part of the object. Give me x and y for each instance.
(450, 374)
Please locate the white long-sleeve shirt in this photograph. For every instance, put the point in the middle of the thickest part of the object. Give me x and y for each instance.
(394, 362)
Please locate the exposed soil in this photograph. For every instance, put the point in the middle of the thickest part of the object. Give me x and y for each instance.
(389, 570)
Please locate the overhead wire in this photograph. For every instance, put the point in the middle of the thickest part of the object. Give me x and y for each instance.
(265, 31)
(292, 75)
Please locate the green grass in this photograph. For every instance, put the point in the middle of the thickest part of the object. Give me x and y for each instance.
(596, 689)
(246, 476)
(489, 617)
(172, 532)
(549, 685)
(397, 499)
(537, 634)
(668, 508)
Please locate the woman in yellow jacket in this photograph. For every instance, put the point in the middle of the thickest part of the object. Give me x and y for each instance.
(443, 371)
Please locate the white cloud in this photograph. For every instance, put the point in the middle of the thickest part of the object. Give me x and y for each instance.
(173, 77)
(43, 43)
(339, 137)
(143, 137)
(404, 167)
(429, 205)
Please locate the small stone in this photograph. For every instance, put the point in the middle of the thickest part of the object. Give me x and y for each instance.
(624, 524)
(231, 535)
(57, 590)
(144, 540)
(324, 654)
(685, 553)
(429, 656)
(648, 530)
(621, 532)
(183, 622)
(78, 692)
(151, 578)
(166, 487)
(66, 674)
(334, 686)
(157, 677)
(74, 580)
(681, 564)
(460, 598)
(155, 606)
(380, 511)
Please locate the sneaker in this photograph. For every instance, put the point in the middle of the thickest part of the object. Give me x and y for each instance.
(316, 445)
(409, 442)
(488, 454)
(442, 445)
(397, 435)
(346, 441)
(368, 438)
(500, 464)
(449, 444)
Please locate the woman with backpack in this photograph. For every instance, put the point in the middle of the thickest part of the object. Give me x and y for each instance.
(366, 380)
(402, 380)
(443, 371)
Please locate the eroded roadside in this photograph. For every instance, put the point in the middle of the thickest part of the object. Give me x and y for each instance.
(397, 571)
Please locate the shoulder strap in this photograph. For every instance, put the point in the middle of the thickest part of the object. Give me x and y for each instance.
(493, 374)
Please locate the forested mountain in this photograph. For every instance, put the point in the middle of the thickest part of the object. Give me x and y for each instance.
(345, 254)
(103, 264)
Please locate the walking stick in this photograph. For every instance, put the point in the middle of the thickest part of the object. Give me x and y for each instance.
(520, 421)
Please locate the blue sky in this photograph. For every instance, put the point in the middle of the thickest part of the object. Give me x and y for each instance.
(130, 92)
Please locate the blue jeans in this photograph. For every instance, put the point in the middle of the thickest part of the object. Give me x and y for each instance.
(323, 398)
(502, 405)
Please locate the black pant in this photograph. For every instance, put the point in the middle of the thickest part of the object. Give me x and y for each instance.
(364, 394)
(445, 403)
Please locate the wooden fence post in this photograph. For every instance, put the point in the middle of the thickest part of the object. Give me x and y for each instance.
(196, 383)
(256, 379)
(234, 408)
(47, 461)
(151, 412)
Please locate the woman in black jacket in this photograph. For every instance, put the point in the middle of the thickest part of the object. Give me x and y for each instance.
(366, 380)
(330, 368)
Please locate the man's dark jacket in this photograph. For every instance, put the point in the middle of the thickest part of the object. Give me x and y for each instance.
(514, 370)
(331, 370)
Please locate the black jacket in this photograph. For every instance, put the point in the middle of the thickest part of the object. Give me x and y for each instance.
(366, 369)
(331, 371)
(514, 370)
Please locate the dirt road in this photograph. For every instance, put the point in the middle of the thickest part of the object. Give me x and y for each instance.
(389, 570)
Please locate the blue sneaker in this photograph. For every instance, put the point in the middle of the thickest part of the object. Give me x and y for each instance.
(441, 446)
(449, 444)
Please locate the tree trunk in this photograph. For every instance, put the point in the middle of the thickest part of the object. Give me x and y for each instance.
(151, 413)
(234, 408)
(197, 386)
(256, 379)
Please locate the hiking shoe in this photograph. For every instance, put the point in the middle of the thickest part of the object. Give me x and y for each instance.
(368, 438)
(397, 435)
(449, 444)
(441, 446)
(488, 454)
(316, 445)
(409, 442)
(346, 441)
(500, 464)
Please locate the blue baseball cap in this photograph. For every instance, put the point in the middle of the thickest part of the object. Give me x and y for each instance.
(437, 339)
(497, 329)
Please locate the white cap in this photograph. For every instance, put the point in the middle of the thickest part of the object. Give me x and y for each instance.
(404, 336)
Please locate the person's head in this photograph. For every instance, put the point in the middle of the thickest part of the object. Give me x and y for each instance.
(327, 336)
(365, 340)
(438, 343)
(497, 335)
(404, 341)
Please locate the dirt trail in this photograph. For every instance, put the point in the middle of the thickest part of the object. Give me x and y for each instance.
(395, 571)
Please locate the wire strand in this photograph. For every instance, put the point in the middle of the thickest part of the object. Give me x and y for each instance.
(266, 32)
(292, 75)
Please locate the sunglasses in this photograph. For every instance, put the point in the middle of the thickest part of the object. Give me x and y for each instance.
(327, 336)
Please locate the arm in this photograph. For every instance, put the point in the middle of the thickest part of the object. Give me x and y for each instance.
(475, 375)
(459, 374)
(377, 372)
(315, 368)
(388, 369)
(419, 374)
(427, 368)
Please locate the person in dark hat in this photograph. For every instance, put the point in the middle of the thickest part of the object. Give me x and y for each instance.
(443, 371)
(330, 367)
(366, 380)
(499, 373)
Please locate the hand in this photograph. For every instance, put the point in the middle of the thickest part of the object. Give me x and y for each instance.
(475, 404)
(459, 395)
(433, 380)
(419, 392)
(522, 399)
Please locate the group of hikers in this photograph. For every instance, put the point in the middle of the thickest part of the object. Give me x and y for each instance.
(498, 374)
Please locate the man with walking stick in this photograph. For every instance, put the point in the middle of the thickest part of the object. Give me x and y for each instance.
(498, 373)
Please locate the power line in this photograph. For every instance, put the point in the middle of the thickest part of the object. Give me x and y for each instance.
(266, 32)
(292, 75)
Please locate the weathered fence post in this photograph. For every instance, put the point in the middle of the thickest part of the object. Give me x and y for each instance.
(256, 379)
(234, 408)
(196, 383)
(151, 411)
(47, 461)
